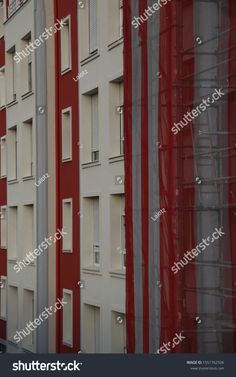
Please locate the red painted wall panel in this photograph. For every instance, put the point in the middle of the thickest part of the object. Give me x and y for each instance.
(68, 265)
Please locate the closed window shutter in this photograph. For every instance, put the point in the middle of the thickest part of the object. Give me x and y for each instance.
(95, 125)
(92, 26)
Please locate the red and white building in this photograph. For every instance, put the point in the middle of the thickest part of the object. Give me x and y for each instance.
(140, 173)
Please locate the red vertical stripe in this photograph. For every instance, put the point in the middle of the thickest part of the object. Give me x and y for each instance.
(178, 306)
(130, 313)
(144, 177)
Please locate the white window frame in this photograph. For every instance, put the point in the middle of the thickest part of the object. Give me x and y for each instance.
(31, 336)
(28, 124)
(10, 130)
(66, 341)
(93, 32)
(123, 250)
(3, 208)
(9, 233)
(29, 69)
(3, 282)
(14, 80)
(65, 157)
(64, 249)
(3, 87)
(95, 128)
(121, 33)
(5, 169)
(67, 67)
(96, 243)
(13, 314)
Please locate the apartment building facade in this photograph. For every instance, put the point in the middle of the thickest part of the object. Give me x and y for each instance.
(90, 177)
(3, 190)
(62, 115)
(102, 244)
(23, 92)
(179, 277)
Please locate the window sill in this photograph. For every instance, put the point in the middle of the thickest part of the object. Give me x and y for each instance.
(120, 274)
(115, 43)
(27, 94)
(3, 318)
(91, 270)
(65, 71)
(12, 181)
(89, 58)
(2, 107)
(13, 342)
(68, 251)
(3, 177)
(67, 344)
(3, 248)
(12, 103)
(116, 159)
(29, 348)
(64, 160)
(86, 165)
(28, 178)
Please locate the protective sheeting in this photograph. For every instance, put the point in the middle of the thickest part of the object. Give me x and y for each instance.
(180, 166)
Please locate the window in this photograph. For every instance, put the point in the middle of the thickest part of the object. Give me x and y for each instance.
(28, 215)
(2, 88)
(11, 75)
(116, 119)
(12, 316)
(93, 26)
(28, 310)
(123, 250)
(91, 232)
(3, 157)
(27, 150)
(29, 70)
(12, 153)
(26, 65)
(66, 135)
(91, 329)
(90, 129)
(94, 127)
(96, 238)
(3, 297)
(68, 318)
(2, 16)
(12, 233)
(117, 221)
(3, 218)
(115, 21)
(66, 45)
(67, 225)
(120, 18)
(118, 332)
